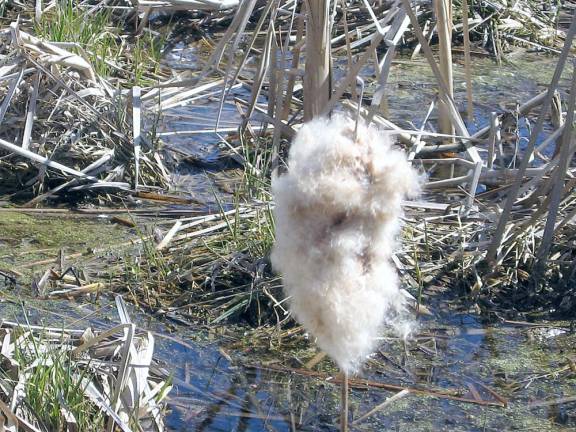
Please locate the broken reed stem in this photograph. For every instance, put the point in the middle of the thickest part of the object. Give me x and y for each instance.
(344, 403)
(442, 10)
(492, 253)
(467, 62)
(494, 141)
(559, 176)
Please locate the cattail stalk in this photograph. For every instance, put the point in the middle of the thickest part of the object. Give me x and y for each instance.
(444, 26)
(337, 215)
(344, 403)
(317, 68)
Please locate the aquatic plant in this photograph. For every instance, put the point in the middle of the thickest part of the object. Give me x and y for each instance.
(337, 216)
(64, 379)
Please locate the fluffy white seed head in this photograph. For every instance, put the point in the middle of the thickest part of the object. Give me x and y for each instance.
(337, 216)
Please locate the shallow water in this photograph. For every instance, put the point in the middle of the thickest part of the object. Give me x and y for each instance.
(216, 391)
(232, 377)
(189, 129)
(235, 398)
(411, 89)
(217, 387)
(227, 380)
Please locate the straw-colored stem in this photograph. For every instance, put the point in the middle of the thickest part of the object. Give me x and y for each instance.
(494, 143)
(467, 62)
(492, 253)
(344, 404)
(558, 177)
(442, 9)
(348, 47)
(317, 69)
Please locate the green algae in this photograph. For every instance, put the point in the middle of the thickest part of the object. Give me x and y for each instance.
(56, 232)
(511, 362)
(412, 86)
(29, 239)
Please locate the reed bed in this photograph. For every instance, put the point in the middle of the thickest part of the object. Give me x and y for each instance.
(67, 120)
(482, 211)
(89, 123)
(483, 214)
(495, 221)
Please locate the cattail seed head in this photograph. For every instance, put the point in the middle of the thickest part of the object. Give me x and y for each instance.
(337, 214)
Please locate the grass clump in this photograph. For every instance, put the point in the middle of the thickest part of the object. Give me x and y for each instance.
(95, 36)
(147, 53)
(53, 385)
(61, 380)
(218, 262)
(251, 226)
(89, 29)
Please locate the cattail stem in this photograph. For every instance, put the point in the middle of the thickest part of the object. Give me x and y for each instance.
(444, 25)
(467, 62)
(344, 403)
(317, 76)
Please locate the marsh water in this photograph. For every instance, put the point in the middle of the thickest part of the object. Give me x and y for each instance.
(231, 377)
(411, 89)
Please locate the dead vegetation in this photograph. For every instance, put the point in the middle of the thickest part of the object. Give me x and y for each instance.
(69, 130)
(496, 219)
(67, 127)
(486, 215)
(60, 380)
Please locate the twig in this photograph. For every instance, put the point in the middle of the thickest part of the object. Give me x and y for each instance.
(381, 406)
